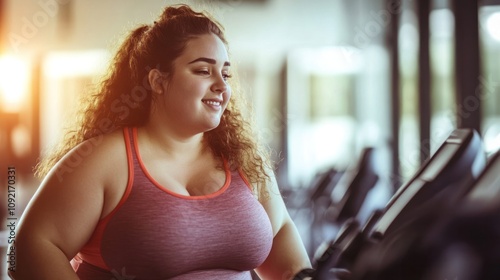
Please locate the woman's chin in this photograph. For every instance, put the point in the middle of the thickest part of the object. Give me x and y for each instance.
(212, 125)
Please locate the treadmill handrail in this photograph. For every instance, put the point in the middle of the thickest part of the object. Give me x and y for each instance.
(462, 135)
(460, 144)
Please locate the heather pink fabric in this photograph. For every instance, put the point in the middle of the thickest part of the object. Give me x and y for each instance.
(156, 234)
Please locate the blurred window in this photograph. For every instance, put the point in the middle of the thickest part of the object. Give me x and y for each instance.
(443, 101)
(489, 81)
(409, 147)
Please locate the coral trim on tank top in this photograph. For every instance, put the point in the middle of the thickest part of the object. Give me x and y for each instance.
(91, 252)
(158, 185)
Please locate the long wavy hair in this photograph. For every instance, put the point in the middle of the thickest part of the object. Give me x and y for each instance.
(124, 97)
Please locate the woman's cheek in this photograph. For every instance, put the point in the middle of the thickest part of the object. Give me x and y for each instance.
(227, 96)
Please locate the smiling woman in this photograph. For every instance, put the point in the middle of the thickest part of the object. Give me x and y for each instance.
(196, 94)
(173, 187)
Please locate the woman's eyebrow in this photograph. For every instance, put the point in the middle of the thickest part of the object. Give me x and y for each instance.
(208, 60)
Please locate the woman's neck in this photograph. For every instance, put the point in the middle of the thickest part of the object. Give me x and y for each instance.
(160, 138)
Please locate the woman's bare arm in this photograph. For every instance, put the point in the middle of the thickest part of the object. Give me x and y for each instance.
(288, 255)
(63, 213)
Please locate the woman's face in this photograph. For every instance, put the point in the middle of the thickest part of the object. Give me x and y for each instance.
(196, 94)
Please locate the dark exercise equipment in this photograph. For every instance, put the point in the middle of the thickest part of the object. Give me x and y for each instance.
(349, 195)
(319, 202)
(459, 158)
(342, 197)
(463, 241)
(306, 202)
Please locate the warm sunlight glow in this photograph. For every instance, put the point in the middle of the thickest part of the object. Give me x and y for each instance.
(74, 64)
(14, 78)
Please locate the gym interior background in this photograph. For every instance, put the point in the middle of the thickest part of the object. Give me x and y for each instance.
(326, 79)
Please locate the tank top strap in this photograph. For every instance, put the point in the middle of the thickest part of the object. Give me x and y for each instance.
(130, 134)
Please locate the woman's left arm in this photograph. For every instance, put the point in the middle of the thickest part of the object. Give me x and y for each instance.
(288, 255)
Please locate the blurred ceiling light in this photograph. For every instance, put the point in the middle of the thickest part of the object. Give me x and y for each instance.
(330, 60)
(73, 64)
(442, 23)
(14, 77)
(493, 25)
(21, 141)
(492, 139)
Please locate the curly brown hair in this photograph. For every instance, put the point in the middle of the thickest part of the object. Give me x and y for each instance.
(124, 97)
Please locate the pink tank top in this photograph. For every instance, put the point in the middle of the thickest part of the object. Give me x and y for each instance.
(154, 233)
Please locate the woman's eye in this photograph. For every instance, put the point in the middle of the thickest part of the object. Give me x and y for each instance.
(226, 76)
(203, 72)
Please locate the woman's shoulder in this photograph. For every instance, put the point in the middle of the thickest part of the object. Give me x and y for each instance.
(102, 147)
(95, 156)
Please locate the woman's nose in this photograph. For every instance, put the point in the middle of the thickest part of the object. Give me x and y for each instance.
(219, 85)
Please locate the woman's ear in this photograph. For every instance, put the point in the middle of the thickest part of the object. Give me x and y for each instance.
(156, 79)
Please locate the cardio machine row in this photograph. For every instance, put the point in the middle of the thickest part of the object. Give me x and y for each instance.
(444, 215)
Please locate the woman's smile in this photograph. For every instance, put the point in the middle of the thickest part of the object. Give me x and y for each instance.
(214, 104)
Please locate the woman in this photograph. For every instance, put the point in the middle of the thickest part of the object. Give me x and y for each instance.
(162, 179)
